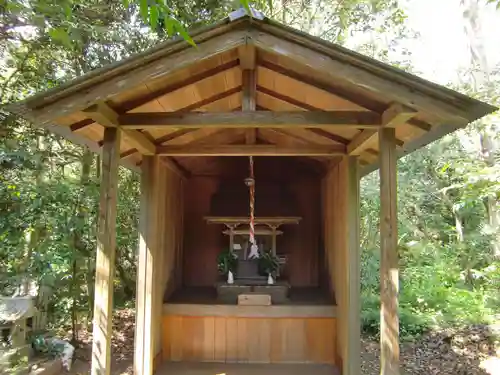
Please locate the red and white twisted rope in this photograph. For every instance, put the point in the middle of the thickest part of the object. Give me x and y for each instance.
(252, 204)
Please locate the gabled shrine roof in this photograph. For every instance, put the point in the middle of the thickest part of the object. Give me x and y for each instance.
(295, 72)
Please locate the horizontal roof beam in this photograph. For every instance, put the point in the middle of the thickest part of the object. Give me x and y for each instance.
(250, 150)
(251, 119)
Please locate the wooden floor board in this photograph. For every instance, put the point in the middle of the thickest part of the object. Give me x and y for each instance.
(190, 368)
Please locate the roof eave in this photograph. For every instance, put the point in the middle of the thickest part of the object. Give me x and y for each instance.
(174, 45)
(476, 108)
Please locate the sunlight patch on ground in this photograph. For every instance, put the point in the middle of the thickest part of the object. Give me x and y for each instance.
(491, 365)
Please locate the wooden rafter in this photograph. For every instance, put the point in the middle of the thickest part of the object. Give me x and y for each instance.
(337, 91)
(247, 150)
(426, 127)
(193, 79)
(210, 100)
(287, 99)
(191, 137)
(279, 138)
(172, 135)
(81, 124)
(395, 115)
(334, 137)
(256, 119)
(306, 135)
(225, 136)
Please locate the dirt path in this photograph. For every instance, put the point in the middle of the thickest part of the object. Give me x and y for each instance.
(471, 351)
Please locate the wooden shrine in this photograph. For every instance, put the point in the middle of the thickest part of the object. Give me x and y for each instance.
(315, 117)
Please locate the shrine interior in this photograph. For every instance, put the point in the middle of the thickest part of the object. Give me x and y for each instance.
(287, 208)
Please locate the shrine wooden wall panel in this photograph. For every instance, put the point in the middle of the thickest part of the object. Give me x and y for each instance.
(202, 242)
(172, 234)
(249, 340)
(301, 242)
(334, 205)
(169, 240)
(341, 246)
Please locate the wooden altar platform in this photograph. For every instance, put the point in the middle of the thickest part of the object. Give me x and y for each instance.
(271, 334)
(310, 296)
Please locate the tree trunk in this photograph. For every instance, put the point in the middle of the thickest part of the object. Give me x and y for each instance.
(91, 261)
(79, 247)
(33, 234)
(480, 76)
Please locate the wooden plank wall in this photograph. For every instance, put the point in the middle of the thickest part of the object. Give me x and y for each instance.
(249, 340)
(340, 253)
(202, 241)
(170, 239)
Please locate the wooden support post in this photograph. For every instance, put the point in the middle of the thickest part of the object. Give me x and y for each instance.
(273, 245)
(249, 89)
(249, 99)
(231, 238)
(389, 272)
(352, 365)
(105, 259)
(144, 350)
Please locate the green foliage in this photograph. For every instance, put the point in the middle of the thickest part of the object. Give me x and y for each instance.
(227, 261)
(449, 274)
(268, 263)
(494, 2)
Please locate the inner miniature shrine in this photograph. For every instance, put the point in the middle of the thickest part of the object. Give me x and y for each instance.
(255, 266)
